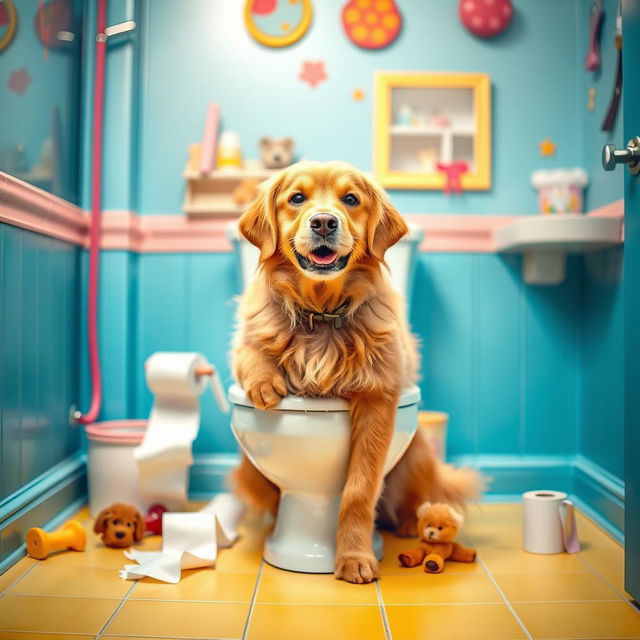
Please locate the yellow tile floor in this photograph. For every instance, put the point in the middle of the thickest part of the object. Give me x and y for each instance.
(507, 594)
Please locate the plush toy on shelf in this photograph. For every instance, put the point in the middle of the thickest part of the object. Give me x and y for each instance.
(276, 153)
(438, 525)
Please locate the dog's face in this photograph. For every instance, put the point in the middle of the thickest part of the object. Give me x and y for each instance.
(120, 525)
(323, 218)
(438, 522)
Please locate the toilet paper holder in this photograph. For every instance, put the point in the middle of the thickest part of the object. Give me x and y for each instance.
(209, 370)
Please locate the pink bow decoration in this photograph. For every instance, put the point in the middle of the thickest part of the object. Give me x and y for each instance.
(452, 172)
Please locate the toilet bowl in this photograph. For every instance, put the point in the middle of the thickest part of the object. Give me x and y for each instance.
(302, 446)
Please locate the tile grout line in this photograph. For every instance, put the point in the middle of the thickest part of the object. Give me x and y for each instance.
(504, 597)
(383, 612)
(253, 602)
(116, 611)
(605, 581)
(20, 577)
(50, 633)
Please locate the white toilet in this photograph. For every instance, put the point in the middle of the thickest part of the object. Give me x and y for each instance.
(302, 445)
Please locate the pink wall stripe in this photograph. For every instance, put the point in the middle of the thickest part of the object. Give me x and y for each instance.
(164, 233)
(611, 210)
(23, 205)
(452, 233)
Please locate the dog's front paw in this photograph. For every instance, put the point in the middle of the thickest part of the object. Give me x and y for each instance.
(356, 568)
(267, 393)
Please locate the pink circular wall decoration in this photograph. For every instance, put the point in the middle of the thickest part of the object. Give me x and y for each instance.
(485, 18)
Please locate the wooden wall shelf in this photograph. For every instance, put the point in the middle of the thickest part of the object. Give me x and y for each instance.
(212, 195)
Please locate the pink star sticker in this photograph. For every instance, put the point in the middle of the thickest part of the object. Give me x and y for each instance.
(19, 81)
(313, 73)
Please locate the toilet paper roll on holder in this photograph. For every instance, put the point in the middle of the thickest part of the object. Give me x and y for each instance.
(207, 369)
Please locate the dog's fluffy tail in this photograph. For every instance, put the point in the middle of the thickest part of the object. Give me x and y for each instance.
(419, 476)
(457, 485)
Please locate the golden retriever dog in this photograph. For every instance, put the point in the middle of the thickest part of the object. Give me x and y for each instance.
(322, 319)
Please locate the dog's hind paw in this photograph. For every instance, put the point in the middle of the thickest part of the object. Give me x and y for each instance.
(360, 569)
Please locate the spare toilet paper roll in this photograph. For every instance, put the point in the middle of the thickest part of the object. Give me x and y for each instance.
(189, 541)
(165, 454)
(549, 523)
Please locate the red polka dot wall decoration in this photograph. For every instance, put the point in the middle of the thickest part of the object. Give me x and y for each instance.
(485, 18)
(371, 24)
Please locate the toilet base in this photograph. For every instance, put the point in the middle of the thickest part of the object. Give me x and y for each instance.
(304, 536)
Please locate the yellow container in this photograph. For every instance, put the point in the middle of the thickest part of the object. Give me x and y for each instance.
(434, 425)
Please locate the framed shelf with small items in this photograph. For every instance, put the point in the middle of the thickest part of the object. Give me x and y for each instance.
(422, 119)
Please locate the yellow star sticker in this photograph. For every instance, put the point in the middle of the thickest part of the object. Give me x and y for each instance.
(547, 148)
(358, 95)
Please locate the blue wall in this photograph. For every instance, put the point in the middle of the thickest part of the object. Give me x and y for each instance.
(203, 53)
(503, 358)
(605, 187)
(55, 85)
(38, 382)
(500, 356)
(601, 307)
(39, 329)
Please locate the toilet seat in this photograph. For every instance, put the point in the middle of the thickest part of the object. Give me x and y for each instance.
(237, 395)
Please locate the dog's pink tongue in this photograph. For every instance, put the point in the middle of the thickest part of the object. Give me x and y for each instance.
(324, 259)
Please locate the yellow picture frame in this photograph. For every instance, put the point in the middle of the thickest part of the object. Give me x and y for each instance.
(385, 82)
(285, 40)
(12, 25)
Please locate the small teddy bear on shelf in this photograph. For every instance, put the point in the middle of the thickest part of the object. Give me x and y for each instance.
(120, 525)
(438, 525)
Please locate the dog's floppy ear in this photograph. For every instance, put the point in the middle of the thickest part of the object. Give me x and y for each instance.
(386, 225)
(101, 521)
(258, 223)
(138, 532)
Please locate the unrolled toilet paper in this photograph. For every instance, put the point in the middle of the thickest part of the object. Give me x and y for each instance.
(189, 541)
(164, 457)
(549, 523)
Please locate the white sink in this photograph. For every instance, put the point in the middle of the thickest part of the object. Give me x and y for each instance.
(544, 241)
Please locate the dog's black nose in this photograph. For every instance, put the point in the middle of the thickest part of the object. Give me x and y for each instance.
(324, 224)
(120, 534)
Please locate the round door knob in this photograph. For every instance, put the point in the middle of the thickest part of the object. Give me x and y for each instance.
(630, 156)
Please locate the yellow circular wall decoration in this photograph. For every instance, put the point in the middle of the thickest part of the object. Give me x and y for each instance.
(10, 22)
(277, 23)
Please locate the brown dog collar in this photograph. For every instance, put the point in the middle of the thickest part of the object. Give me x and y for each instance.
(335, 317)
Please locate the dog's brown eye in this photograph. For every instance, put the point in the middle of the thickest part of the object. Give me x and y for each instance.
(116, 521)
(351, 200)
(297, 198)
(439, 528)
(128, 524)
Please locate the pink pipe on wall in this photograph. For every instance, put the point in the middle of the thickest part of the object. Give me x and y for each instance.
(96, 204)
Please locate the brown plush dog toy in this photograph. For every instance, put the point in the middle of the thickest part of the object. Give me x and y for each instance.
(120, 525)
(438, 525)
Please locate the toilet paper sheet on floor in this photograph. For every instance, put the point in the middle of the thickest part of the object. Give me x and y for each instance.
(189, 541)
